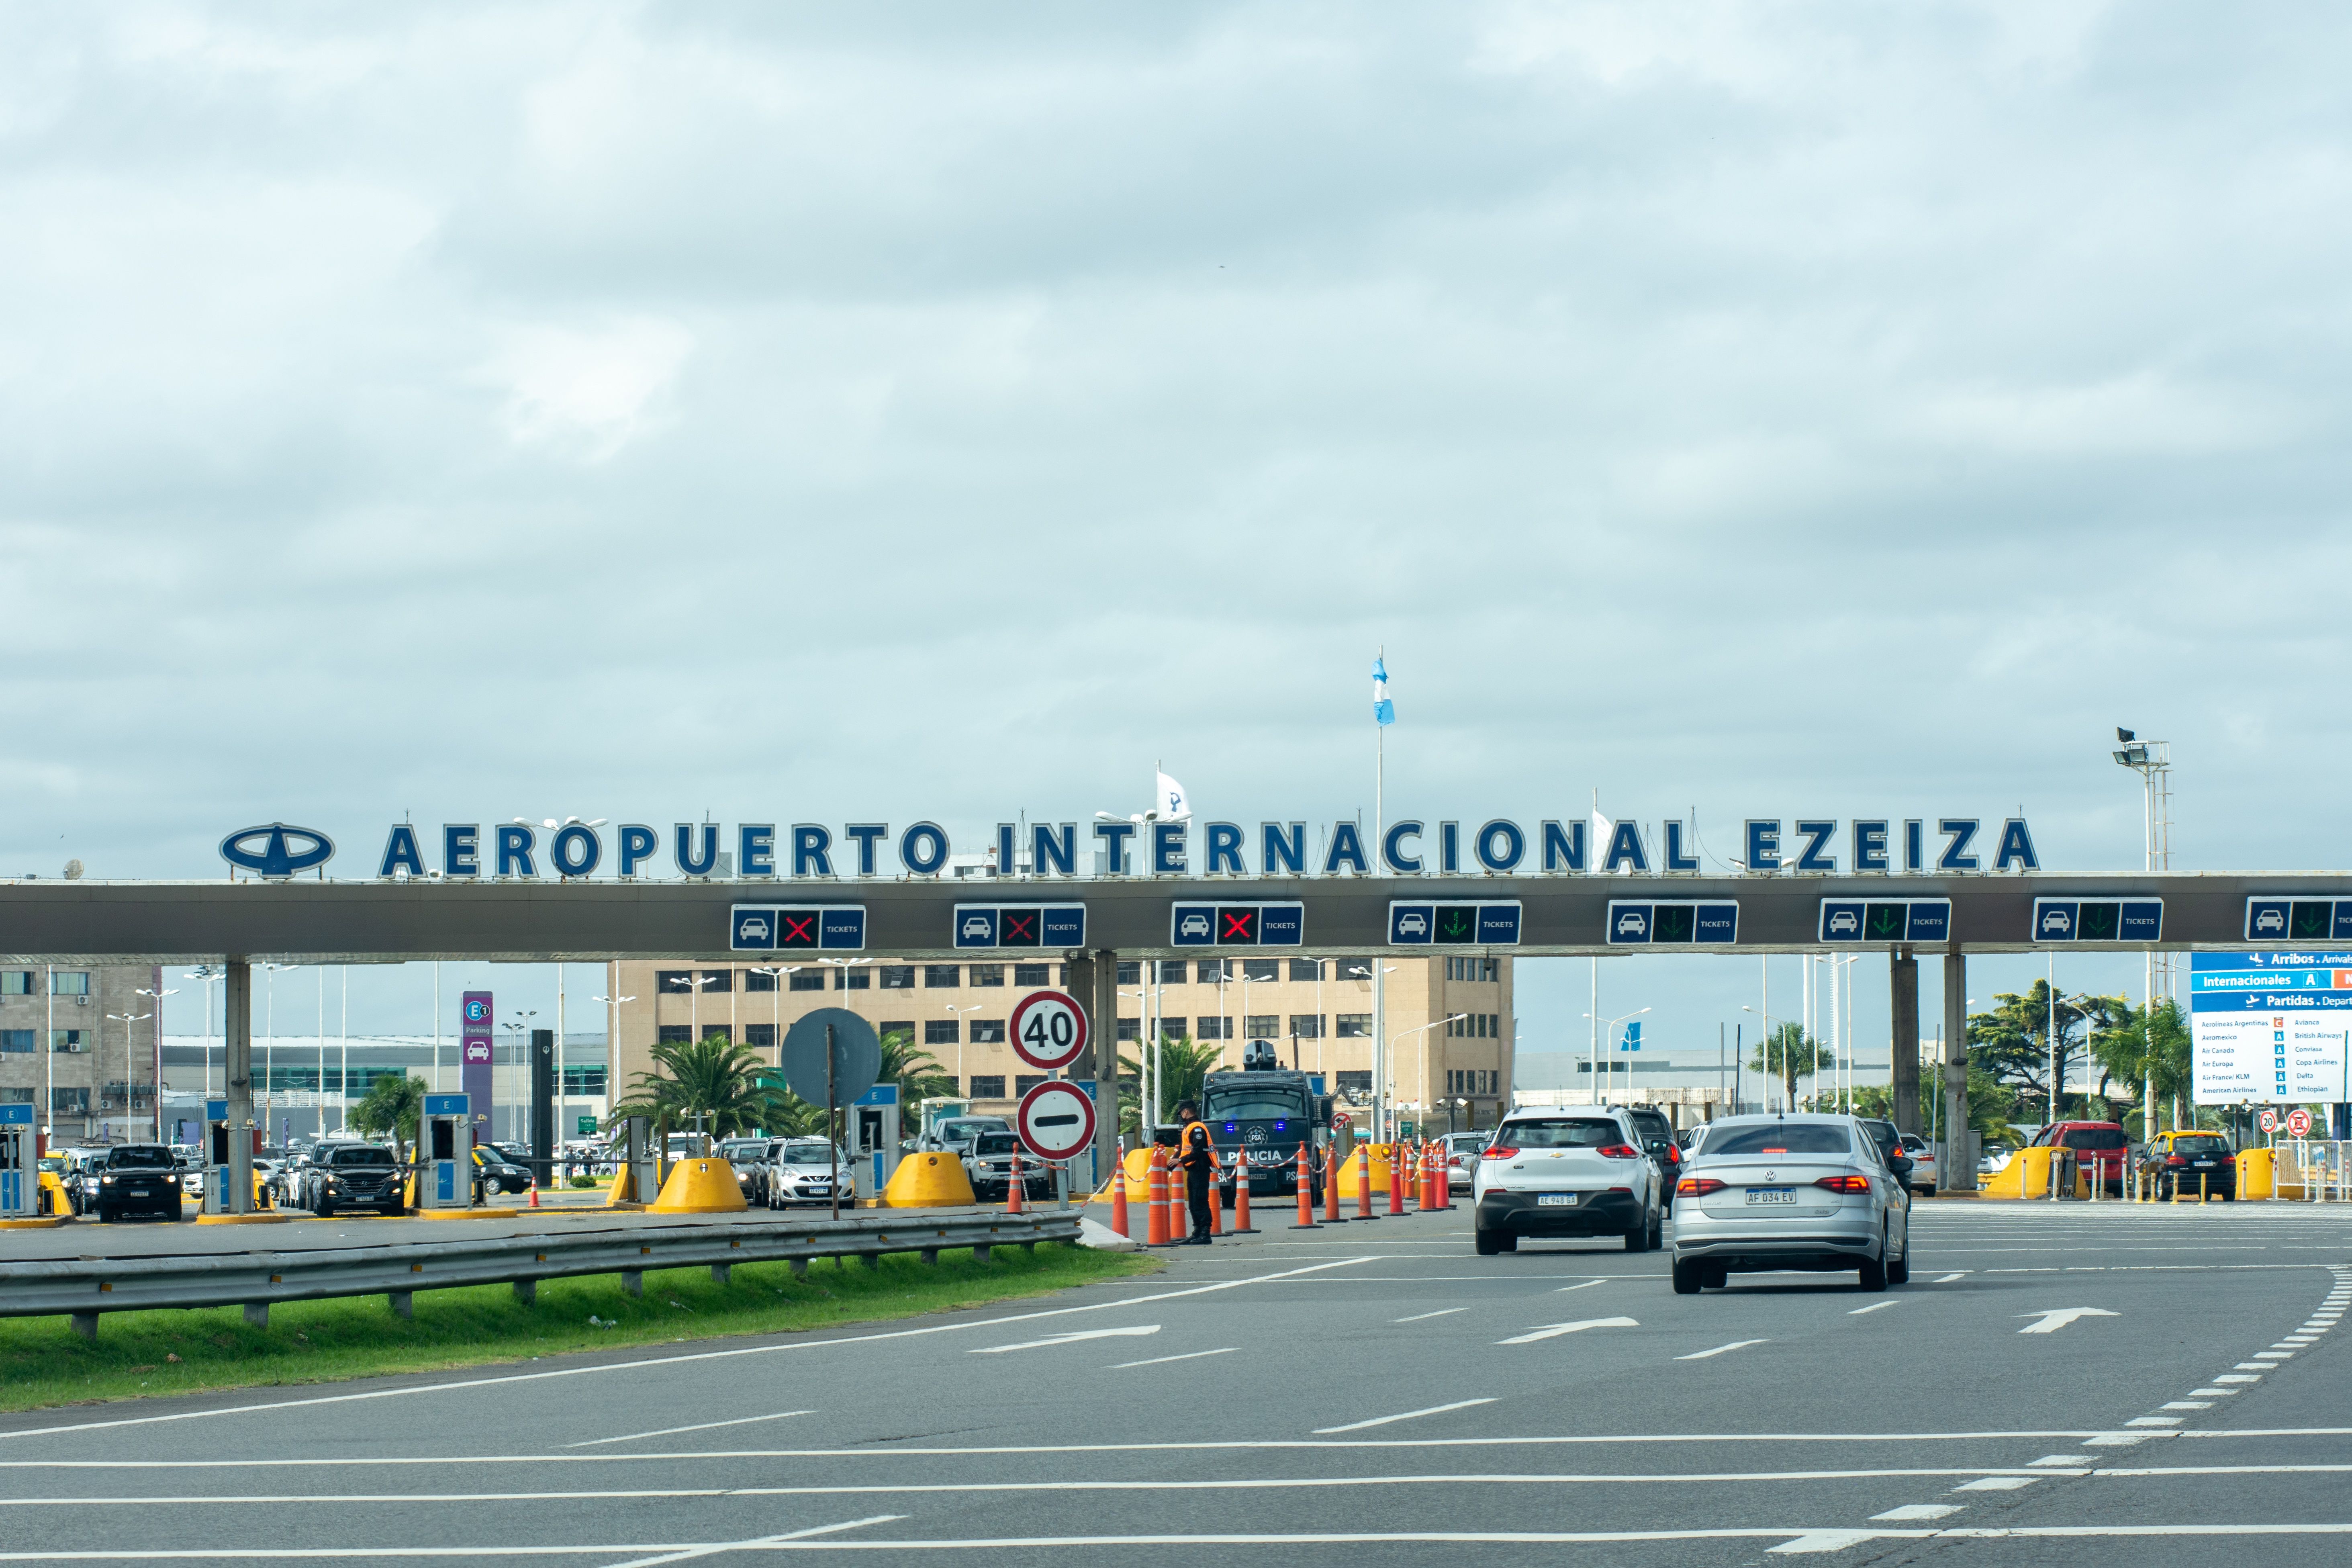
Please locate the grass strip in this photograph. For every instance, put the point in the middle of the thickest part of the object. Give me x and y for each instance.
(44, 1362)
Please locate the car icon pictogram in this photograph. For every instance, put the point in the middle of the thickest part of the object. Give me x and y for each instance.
(1412, 925)
(1630, 923)
(1193, 925)
(1842, 923)
(753, 929)
(2056, 920)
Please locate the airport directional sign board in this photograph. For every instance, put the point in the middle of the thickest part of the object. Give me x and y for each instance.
(2285, 919)
(1673, 922)
(1852, 920)
(1191, 924)
(1454, 922)
(2270, 1026)
(2098, 919)
(796, 928)
(1020, 925)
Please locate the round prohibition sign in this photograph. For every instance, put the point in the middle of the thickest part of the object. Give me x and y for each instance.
(2268, 1121)
(1049, 1030)
(1057, 1120)
(2298, 1121)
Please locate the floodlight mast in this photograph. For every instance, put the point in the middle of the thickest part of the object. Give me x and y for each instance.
(2152, 760)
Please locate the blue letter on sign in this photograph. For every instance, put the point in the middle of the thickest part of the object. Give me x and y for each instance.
(1054, 853)
(755, 849)
(866, 833)
(1675, 859)
(515, 842)
(400, 849)
(1763, 844)
(923, 848)
(1501, 846)
(1224, 852)
(1870, 846)
(638, 842)
(1283, 852)
(575, 850)
(812, 850)
(1347, 848)
(1115, 836)
(2016, 844)
(1817, 838)
(460, 843)
(1563, 848)
(1392, 848)
(1625, 850)
(1959, 833)
(687, 862)
(1167, 849)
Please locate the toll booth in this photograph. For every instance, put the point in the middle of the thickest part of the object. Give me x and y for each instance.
(228, 1162)
(637, 1157)
(874, 1135)
(445, 1153)
(20, 1165)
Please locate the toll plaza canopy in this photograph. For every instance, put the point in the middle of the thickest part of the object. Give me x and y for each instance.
(593, 919)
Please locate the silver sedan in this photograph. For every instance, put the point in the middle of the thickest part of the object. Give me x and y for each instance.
(1790, 1193)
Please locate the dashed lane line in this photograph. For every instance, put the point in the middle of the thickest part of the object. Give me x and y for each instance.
(1164, 1360)
(1873, 1306)
(1722, 1350)
(1424, 1317)
(697, 1426)
(1407, 1416)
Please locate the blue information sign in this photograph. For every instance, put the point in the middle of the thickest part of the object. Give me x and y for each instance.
(1020, 925)
(1448, 922)
(444, 1105)
(1236, 925)
(1846, 921)
(2283, 918)
(2097, 920)
(1673, 922)
(2274, 1026)
(791, 928)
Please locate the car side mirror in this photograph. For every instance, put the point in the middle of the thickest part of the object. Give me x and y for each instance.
(1900, 1164)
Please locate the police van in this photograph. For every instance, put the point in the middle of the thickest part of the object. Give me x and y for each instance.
(1265, 1113)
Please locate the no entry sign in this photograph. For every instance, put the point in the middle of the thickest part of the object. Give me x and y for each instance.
(1057, 1120)
(1049, 1030)
(2298, 1121)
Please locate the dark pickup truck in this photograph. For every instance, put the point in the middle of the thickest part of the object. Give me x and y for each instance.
(134, 1178)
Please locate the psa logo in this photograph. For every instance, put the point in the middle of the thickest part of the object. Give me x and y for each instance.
(277, 858)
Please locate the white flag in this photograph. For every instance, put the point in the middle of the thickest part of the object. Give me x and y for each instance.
(1601, 828)
(1173, 801)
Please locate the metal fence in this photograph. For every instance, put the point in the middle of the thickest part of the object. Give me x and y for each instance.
(85, 1287)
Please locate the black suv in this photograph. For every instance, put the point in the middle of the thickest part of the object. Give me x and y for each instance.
(136, 1178)
(1659, 1143)
(354, 1176)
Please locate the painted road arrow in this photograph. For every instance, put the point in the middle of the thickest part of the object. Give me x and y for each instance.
(1553, 1330)
(1069, 1339)
(2058, 1318)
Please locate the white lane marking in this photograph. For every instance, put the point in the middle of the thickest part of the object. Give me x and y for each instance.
(1164, 1360)
(1719, 1350)
(2058, 1318)
(679, 1360)
(2063, 1460)
(698, 1426)
(1873, 1306)
(2274, 1355)
(2240, 1377)
(1947, 1279)
(2212, 1393)
(715, 1548)
(2186, 1405)
(2255, 1366)
(1824, 1540)
(2155, 1421)
(1424, 1317)
(1911, 1511)
(1407, 1416)
(1996, 1483)
(1588, 1284)
(1553, 1330)
(1135, 1331)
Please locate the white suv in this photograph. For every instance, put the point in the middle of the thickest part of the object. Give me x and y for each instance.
(1568, 1174)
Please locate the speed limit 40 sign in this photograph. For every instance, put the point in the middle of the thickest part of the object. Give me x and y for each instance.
(1049, 1030)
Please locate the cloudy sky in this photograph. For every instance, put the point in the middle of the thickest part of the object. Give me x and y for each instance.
(806, 413)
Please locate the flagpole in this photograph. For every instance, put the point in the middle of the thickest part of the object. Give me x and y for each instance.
(1380, 968)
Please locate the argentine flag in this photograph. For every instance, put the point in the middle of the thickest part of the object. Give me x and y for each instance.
(1384, 711)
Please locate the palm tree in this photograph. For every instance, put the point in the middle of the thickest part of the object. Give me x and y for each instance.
(915, 1072)
(724, 1083)
(1185, 1066)
(1792, 1054)
(393, 1105)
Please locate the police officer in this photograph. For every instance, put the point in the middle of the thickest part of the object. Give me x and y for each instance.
(1197, 1156)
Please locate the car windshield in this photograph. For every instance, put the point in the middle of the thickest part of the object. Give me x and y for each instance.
(1794, 1138)
(363, 1156)
(2204, 1144)
(135, 1159)
(806, 1152)
(957, 1131)
(994, 1144)
(2096, 1138)
(1561, 1133)
(1254, 1105)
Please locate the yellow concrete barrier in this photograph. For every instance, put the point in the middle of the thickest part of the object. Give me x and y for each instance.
(2027, 1176)
(2258, 1173)
(1380, 1157)
(700, 1186)
(928, 1181)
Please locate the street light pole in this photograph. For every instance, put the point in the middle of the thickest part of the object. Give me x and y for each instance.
(1600, 1025)
(156, 995)
(129, 1075)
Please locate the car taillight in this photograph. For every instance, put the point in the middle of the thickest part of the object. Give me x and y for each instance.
(1697, 1186)
(2176, 1160)
(1844, 1184)
(2229, 1159)
(1618, 1151)
(1498, 1152)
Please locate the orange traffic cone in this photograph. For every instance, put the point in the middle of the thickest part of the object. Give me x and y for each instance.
(1364, 1185)
(1306, 1182)
(1017, 1188)
(1155, 1223)
(1118, 1189)
(1242, 1226)
(534, 1190)
(1331, 1189)
(1396, 1178)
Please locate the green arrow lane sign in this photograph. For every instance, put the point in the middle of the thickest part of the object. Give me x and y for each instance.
(1456, 924)
(1883, 923)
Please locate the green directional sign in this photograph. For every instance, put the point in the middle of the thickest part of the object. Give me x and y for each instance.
(1883, 923)
(1457, 924)
(587, 1125)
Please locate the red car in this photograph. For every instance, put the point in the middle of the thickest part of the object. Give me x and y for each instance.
(2101, 1149)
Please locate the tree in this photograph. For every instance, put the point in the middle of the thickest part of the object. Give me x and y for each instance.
(2148, 1048)
(1184, 1068)
(914, 1070)
(1792, 1054)
(725, 1084)
(2012, 1042)
(394, 1105)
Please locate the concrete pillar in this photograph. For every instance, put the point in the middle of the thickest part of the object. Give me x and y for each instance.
(1903, 990)
(1958, 1170)
(237, 1044)
(1094, 982)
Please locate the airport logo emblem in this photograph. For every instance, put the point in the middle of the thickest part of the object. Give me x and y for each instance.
(277, 856)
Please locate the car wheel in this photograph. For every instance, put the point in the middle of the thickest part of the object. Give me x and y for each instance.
(1657, 1232)
(1687, 1277)
(1874, 1269)
(1715, 1275)
(105, 1216)
(326, 1210)
(1900, 1271)
(1638, 1238)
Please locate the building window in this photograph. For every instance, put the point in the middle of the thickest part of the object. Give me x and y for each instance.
(69, 1041)
(1022, 1083)
(717, 1032)
(1034, 973)
(808, 980)
(69, 983)
(69, 1102)
(20, 1040)
(988, 1031)
(987, 1086)
(1354, 968)
(1355, 1027)
(1307, 1026)
(1131, 1028)
(581, 1081)
(15, 983)
(760, 1036)
(669, 979)
(754, 980)
(1171, 971)
(1307, 968)
(846, 979)
(1212, 970)
(898, 977)
(903, 1029)
(1255, 968)
(942, 976)
(11, 1094)
(1065, 981)
(674, 1034)
(1171, 1028)
(1130, 973)
(718, 982)
(1355, 1083)
(940, 1032)
(1216, 1028)
(987, 973)
(1260, 1026)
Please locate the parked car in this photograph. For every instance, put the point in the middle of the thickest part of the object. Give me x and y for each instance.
(135, 1178)
(353, 1176)
(990, 1166)
(747, 1158)
(955, 1135)
(1792, 1193)
(802, 1170)
(495, 1173)
(1555, 1173)
(1462, 1160)
(2102, 1148)
(1922, 1155)
(2186, 1162)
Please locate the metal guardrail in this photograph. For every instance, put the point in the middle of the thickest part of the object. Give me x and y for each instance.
(86, 1287)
